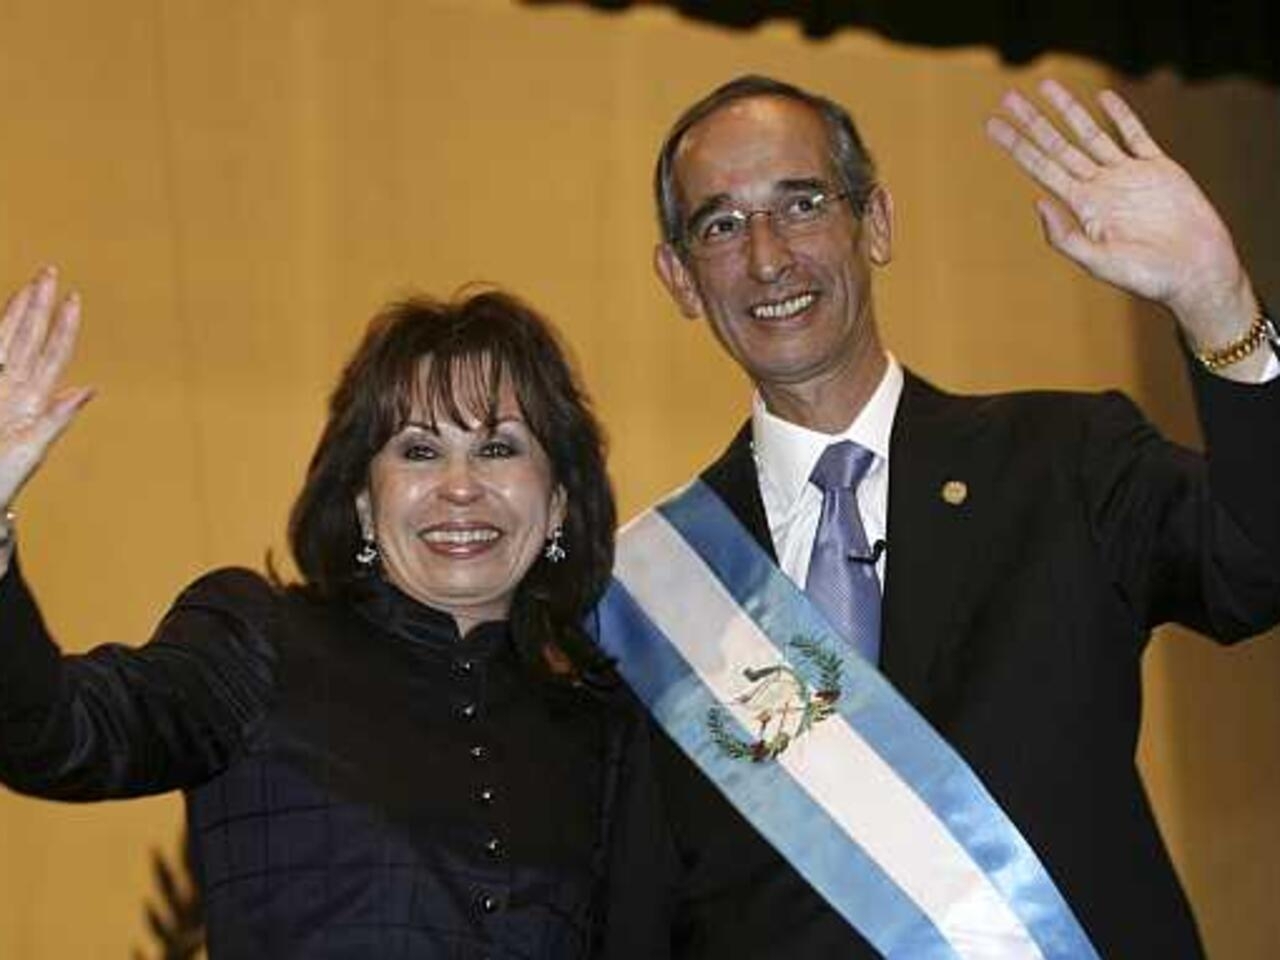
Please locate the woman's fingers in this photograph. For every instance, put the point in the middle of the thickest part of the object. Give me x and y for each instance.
(15, 308)
(36, 344)
(32, 325)
(59, 346)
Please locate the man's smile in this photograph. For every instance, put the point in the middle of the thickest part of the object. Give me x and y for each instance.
(783, 309)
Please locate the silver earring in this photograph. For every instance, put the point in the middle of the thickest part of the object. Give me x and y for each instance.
(367, 555)
(554, 550)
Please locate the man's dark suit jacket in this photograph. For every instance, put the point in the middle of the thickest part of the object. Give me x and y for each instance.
(1015, 622)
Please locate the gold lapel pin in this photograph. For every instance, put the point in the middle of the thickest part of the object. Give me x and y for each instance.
(955, 492)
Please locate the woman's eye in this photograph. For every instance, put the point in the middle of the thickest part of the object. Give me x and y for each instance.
(418, 451)
(497, 450)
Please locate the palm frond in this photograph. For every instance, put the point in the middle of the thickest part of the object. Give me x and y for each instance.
(175, 914)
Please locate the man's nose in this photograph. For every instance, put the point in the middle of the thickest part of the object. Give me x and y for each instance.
(768, 253)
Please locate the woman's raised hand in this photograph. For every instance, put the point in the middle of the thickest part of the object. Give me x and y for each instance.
(36, 342)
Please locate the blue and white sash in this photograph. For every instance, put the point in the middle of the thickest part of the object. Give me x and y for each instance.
(817, 750)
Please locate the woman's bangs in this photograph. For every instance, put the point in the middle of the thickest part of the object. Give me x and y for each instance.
(461, 387)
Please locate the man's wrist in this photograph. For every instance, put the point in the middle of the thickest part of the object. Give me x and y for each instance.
(1261, 333)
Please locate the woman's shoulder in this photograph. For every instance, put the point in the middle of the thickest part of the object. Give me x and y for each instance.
(230, 589)
(239, 593)
(248, 600)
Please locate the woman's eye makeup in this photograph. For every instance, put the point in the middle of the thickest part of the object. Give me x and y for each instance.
(507, 439)
(418, 450)
(504, 442)
(498, 448)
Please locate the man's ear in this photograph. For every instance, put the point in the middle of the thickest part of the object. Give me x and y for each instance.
(364, 514)
(877, 225)
(675, 276)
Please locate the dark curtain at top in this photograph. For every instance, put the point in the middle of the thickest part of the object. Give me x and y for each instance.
(1198, 38)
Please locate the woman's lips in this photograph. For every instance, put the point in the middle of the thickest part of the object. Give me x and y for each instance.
(460, 539)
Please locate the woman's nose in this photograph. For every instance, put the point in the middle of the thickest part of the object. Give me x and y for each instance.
(460, 483)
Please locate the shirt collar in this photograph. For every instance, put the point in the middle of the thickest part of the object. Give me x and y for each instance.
(385, 605)
(786, 453)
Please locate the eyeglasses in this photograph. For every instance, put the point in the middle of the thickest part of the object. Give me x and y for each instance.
(793, 214)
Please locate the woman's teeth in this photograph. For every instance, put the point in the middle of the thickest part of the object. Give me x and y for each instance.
(460, 536)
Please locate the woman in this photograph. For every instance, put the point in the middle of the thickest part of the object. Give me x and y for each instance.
(417, 752)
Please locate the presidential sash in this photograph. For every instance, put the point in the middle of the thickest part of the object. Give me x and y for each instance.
(817, 750)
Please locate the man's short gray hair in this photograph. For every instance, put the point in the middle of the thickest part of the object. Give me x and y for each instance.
(849, 155)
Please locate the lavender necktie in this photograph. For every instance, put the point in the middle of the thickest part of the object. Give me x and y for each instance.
(842, 579)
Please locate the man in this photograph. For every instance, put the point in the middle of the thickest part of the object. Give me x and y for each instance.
(1026, 543)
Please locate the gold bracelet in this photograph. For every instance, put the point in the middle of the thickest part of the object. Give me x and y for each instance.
(7, 520)
(1261, 331)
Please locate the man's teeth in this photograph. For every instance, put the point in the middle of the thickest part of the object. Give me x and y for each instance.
(783, 308)
(460, 536)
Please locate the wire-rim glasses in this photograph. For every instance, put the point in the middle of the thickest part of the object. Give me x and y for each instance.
(724, 230)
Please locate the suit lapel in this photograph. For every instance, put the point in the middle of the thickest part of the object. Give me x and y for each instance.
(937, 491)
(733, 478)
(932, 540)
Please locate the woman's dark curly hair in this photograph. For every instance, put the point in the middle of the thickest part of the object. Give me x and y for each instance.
(473, 343)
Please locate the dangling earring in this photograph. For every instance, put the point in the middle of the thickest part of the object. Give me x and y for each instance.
(554, 550)
(367, 555)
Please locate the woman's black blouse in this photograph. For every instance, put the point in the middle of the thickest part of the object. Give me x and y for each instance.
(361, 782)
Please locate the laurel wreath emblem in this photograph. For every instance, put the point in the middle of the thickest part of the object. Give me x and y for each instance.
(785, 702)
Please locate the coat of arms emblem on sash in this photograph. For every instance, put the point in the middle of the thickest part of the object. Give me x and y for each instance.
(785, 700)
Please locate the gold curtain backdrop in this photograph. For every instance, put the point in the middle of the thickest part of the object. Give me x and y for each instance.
(236, 187)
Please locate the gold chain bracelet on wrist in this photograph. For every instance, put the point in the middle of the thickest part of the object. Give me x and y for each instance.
(1261, 331)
